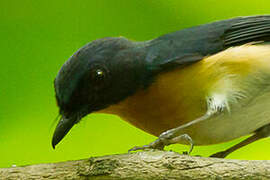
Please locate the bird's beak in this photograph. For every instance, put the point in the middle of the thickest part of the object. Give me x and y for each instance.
(62, 128)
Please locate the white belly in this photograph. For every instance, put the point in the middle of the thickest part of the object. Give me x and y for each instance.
(242, 120)
(242, 91)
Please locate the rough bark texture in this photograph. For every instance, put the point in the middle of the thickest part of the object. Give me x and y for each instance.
(143, 165)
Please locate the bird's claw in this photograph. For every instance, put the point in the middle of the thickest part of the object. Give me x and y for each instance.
(136, 148)
(164, 140)
(157, 144)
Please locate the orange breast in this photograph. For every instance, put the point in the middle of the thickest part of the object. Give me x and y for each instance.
(175, 98)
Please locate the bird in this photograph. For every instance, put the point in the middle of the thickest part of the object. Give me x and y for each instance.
(202, 85)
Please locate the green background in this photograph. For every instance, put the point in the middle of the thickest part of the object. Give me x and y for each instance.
(37, 37)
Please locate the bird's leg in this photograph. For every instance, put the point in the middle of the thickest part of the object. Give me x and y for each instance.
(160, 143)
(215, 105)
(261, 133)
(172, 136)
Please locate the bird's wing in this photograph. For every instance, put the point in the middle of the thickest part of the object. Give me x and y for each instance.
(191, 45)
(247, 30)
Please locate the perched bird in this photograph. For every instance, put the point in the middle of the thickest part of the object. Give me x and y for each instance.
(202, 85)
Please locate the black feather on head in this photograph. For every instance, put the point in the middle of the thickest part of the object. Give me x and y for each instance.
(99, 74)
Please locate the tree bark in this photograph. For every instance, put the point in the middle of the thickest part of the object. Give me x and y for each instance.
(143, 165)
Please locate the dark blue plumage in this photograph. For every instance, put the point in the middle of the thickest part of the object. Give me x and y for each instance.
(106, 71)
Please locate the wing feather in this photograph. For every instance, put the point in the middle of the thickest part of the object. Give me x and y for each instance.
(248, 30)
(190, 45)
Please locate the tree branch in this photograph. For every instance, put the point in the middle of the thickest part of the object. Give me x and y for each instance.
(143, 165)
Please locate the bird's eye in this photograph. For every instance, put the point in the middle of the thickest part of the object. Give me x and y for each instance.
(98, 75)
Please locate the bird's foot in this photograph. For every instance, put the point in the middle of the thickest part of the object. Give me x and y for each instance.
(165, 139)
(157, 144)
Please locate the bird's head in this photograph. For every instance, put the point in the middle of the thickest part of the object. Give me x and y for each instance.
(100, 74)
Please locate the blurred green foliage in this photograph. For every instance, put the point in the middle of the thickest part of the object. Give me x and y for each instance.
(37, 37)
